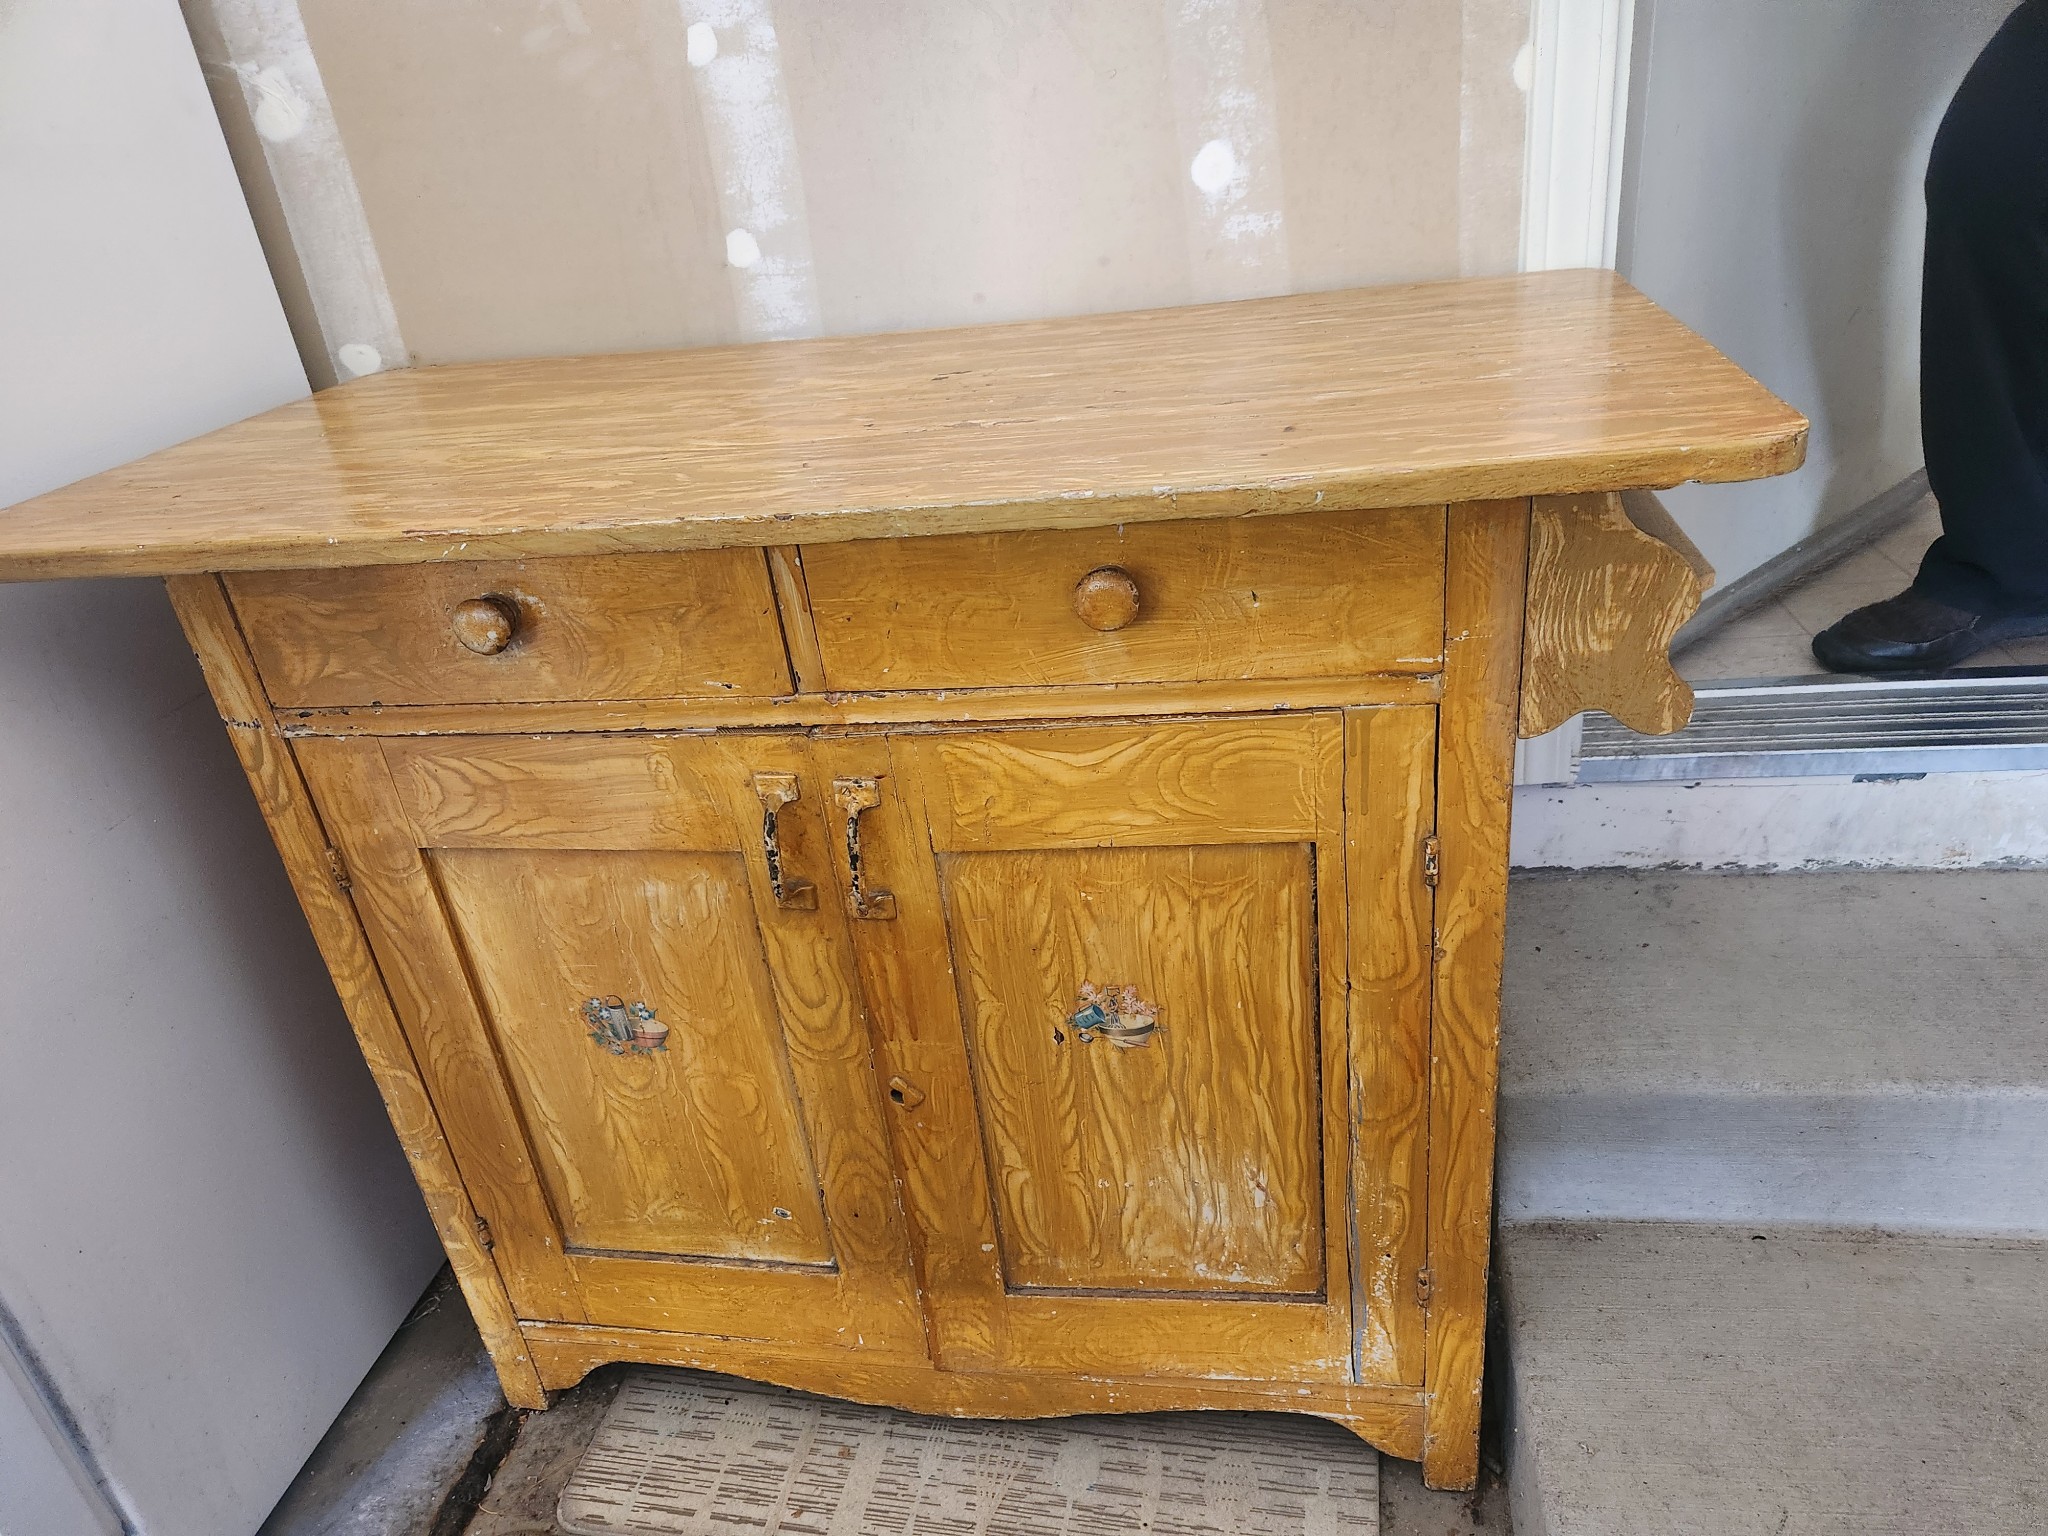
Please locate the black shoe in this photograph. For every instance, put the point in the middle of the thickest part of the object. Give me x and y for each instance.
(1914, 633)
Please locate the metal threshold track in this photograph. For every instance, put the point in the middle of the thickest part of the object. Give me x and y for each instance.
(1829, 727)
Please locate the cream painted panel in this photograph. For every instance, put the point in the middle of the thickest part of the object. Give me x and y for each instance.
(1493, 132)
(969, 163)
(534, 171)
(560, 176)
(1369, 127)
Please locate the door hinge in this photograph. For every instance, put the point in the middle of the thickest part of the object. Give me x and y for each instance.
(1432, 860)
(338, 869)
(483, 1235)
(1425, 1285)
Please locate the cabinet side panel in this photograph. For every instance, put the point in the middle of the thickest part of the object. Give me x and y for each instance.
(1489, 543)
(294, 825)
(1390, 811)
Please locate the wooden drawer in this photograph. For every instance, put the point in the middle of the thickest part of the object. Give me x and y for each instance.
(1327, 594)
(701, 624)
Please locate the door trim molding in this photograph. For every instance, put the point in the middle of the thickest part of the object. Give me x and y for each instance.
(1577, 69)
(1578, 76)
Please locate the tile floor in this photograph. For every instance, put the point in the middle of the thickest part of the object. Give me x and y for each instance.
(1775, 639)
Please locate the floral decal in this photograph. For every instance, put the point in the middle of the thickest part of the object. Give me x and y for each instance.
(1116, 1013)
(624, 1029)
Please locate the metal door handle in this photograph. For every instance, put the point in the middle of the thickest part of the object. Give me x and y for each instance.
(855, 796)
(775, 791)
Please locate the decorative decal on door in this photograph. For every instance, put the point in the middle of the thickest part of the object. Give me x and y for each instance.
(624, 1029)
(1116, 1013)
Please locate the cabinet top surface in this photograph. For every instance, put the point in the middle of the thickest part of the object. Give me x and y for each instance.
(1537, 385)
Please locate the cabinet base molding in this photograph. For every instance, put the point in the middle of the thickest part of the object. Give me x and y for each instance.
(1387, 1418)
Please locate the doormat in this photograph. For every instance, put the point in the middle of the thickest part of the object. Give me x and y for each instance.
(680, 1453)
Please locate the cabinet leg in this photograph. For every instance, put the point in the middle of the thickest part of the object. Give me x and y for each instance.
(1450, 1446)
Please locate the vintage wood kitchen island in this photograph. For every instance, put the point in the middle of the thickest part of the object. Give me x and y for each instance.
(960, 870)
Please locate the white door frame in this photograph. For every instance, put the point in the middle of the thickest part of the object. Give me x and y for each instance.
(1576, 69)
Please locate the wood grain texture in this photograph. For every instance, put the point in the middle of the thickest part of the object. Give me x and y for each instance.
(914, 1013)
(1176, 803)
(1548, 384)
(799, 627)
(564, 792)
(648, 626)
(502, 912)
(1475, 773)
(1387, 1417)
(1389, 813)
(696, 1149)
(273, 773)
(1647, 511)
(1242, 781)
(1604, 600)
(1191, 1163)
(1335, 594)
(834, 711)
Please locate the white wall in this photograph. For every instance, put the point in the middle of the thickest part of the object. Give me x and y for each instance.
(1772, 201)
(206, 1230)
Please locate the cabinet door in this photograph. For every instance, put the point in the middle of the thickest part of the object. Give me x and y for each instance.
(1112, 993)
(630, 991)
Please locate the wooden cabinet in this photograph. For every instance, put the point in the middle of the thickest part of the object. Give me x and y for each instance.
(977, 882)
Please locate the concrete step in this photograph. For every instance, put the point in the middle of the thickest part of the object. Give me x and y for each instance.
(1773, 1236)
(1849, 1048)
(1671, 1378)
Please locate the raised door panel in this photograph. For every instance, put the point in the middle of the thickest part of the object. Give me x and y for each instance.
(1145, 929)
(678, 1133)
(648, 1051)
(1213, 1116)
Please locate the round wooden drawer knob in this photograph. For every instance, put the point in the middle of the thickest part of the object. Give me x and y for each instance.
(486, 624)
(1106, 599)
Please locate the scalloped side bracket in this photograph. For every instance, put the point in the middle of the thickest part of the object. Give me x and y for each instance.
(1611, 579)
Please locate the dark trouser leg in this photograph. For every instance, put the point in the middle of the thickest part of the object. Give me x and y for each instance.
(1984, 329)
